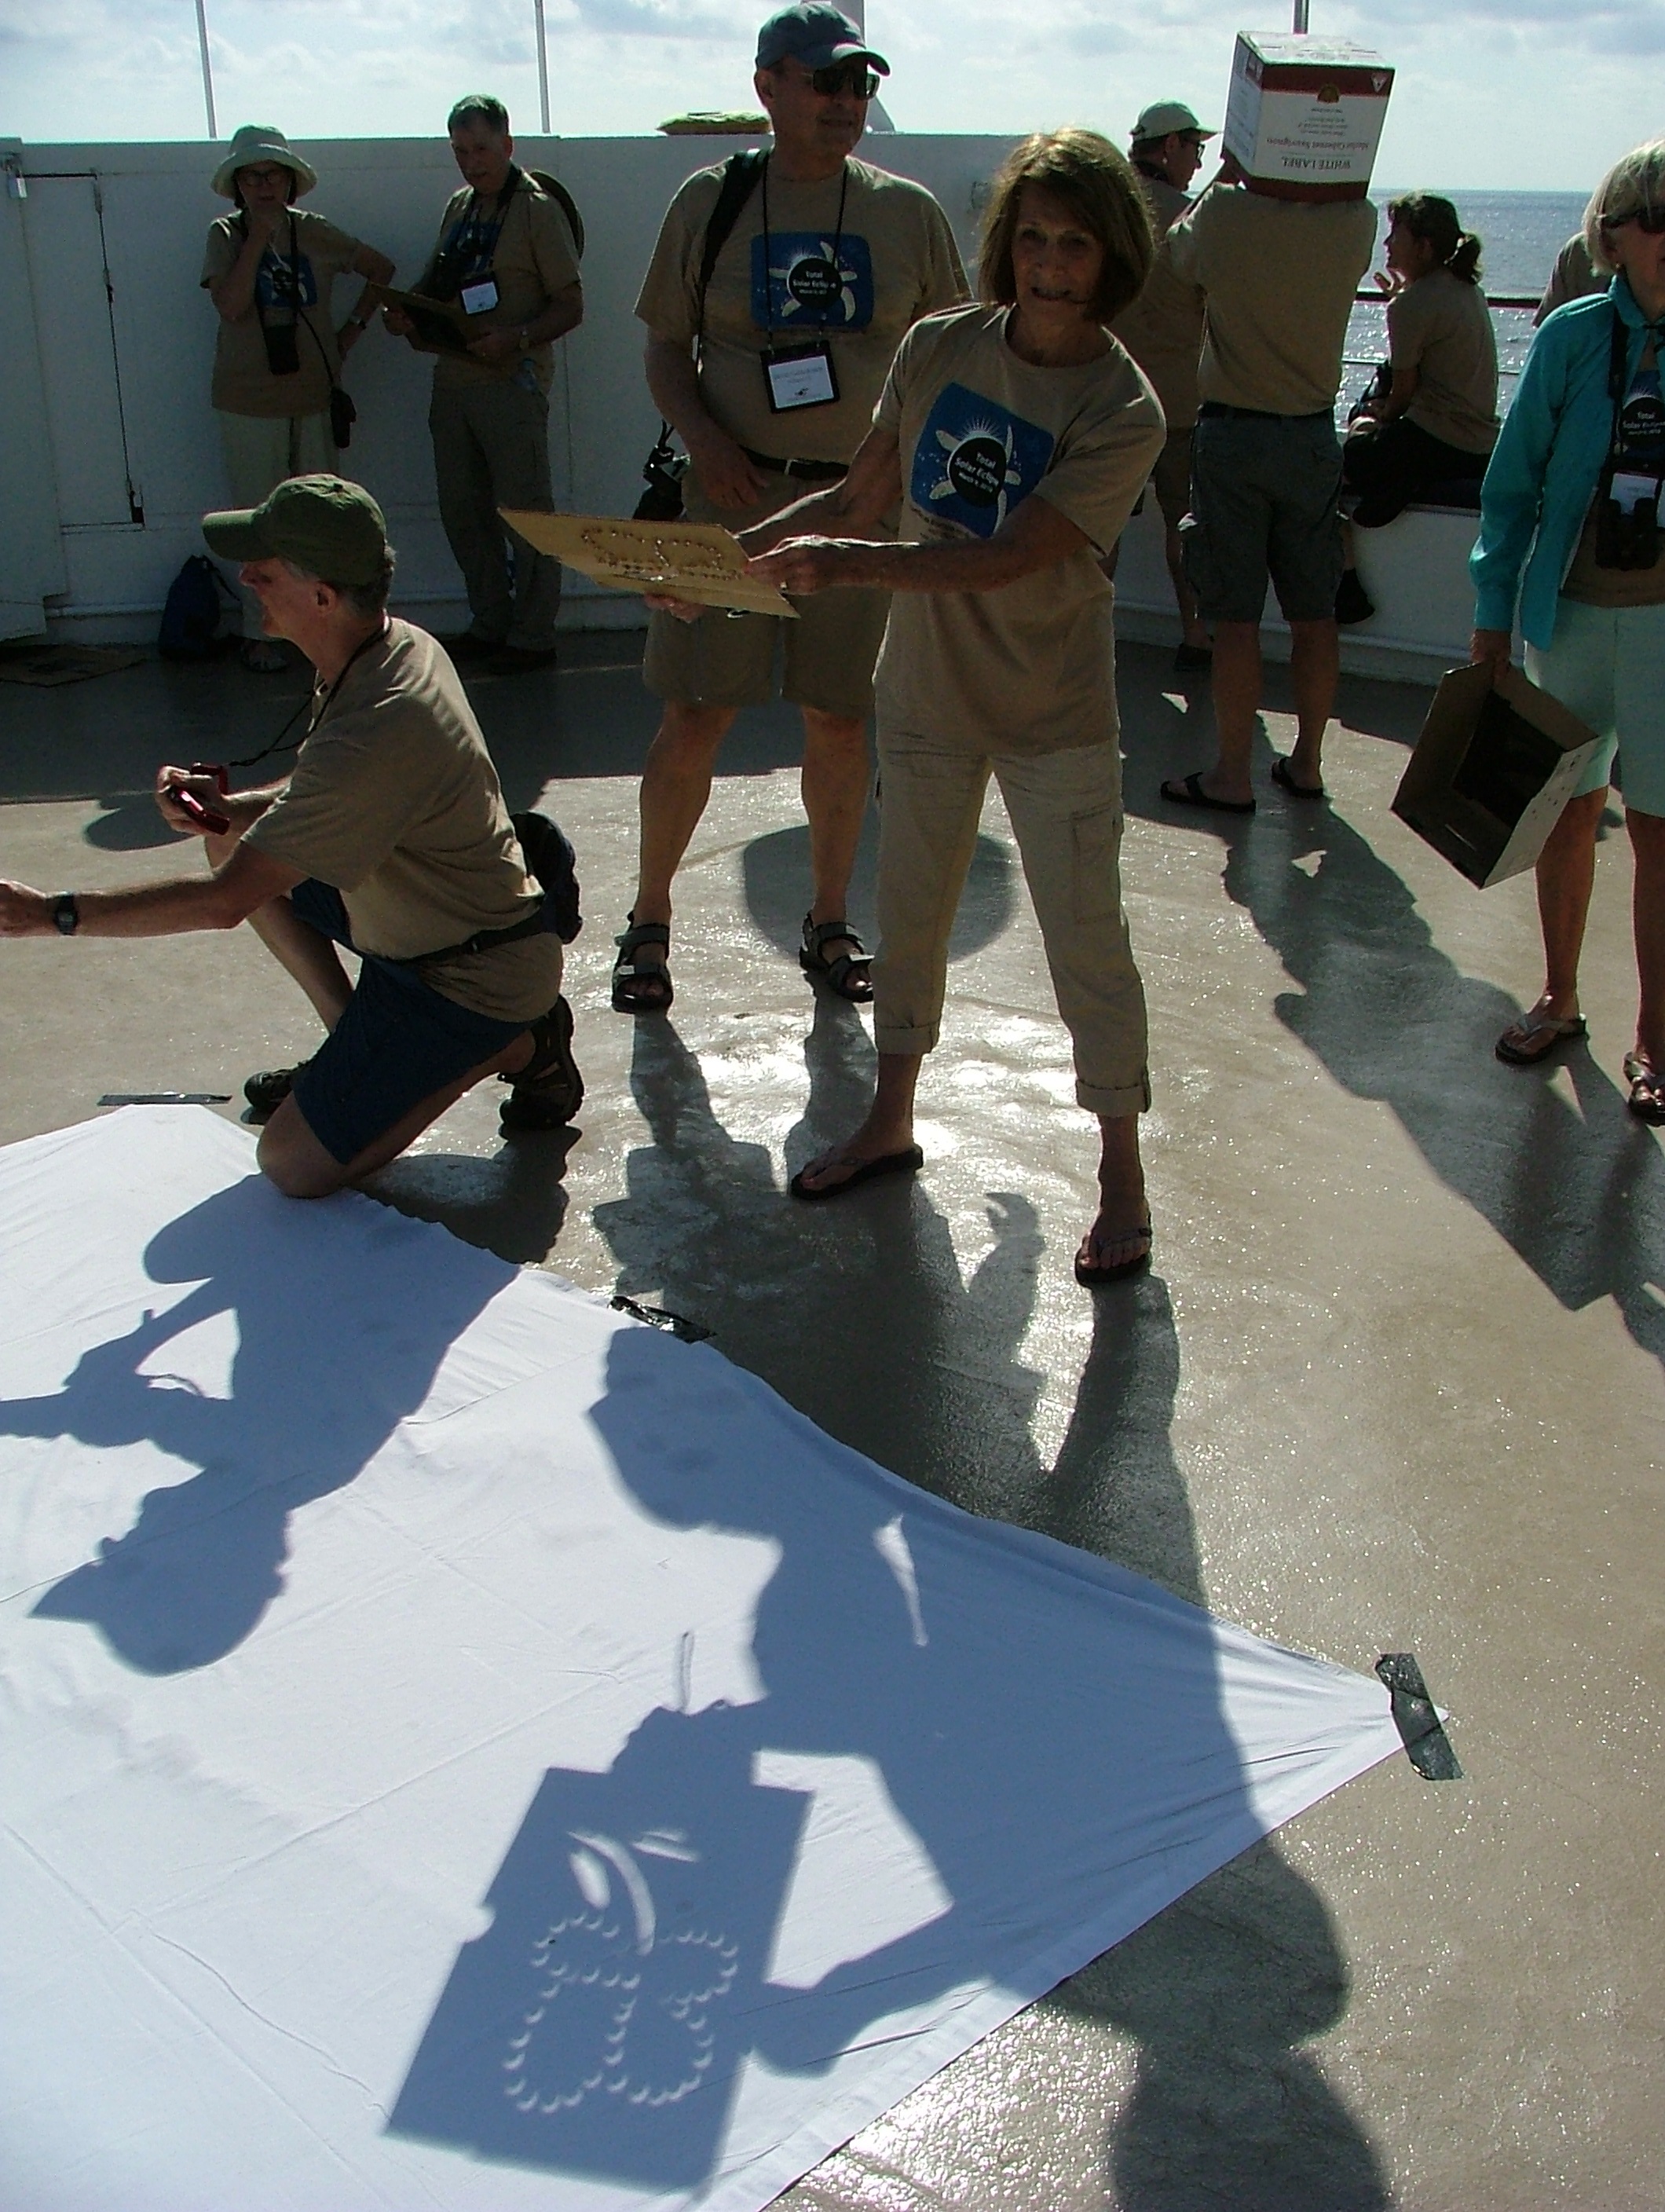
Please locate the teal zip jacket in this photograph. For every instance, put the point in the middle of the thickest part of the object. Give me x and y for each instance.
(1546, 463)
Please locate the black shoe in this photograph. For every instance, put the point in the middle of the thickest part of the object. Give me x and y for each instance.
(465, 646)
(266, 1092)
(549, 1090)
(1354, 604)
(521, 660)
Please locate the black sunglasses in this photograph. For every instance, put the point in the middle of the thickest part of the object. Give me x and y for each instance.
(844, 77)
(1649, 220)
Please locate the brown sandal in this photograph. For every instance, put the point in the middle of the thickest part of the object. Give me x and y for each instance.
(1647, 1098)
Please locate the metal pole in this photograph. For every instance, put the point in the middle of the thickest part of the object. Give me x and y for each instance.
(1303, 13)
(208, 73)
(543, 67)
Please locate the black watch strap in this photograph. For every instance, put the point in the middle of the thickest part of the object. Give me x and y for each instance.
(66, 914)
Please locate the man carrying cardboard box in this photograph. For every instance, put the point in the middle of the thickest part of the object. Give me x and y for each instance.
(1278, 259)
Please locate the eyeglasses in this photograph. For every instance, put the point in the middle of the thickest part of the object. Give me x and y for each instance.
(1649, 220)
(844, 77)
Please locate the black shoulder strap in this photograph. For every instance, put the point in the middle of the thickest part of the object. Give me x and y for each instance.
(564, 200)
(740, 175)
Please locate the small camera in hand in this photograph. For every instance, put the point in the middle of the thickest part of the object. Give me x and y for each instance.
(662, 472)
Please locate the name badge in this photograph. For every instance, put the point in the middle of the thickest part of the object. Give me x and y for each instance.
(800, 376)
(479, 297)
(1630, 491)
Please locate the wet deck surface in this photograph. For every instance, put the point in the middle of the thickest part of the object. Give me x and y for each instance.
(1395, 1382)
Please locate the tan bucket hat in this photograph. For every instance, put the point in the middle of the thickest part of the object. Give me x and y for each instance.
(262, 142)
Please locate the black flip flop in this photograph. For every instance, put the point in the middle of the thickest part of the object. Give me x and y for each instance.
(1188, 791)
(1094, 1278)
(887, 1164)
(1286, 781)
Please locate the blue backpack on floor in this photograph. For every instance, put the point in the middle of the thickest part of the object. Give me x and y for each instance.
(197, 599)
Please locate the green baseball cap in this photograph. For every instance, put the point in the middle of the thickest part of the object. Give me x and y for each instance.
(327, 526)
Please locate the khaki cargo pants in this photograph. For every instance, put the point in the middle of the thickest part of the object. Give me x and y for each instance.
(1066, 813)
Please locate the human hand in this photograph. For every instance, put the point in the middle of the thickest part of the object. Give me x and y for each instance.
(1490, 646)
(723, 473)
(801, 565)
(665, 602)
(264, 225)
(23, 912)
(205, 789)
(494, 347)
(396, 322)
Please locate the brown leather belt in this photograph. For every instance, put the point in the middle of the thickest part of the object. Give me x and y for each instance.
(809, 471)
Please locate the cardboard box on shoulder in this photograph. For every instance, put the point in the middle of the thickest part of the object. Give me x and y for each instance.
(1305, 115)
(1497, 762)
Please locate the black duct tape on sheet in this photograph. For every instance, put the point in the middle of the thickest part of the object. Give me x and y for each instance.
(1426, 1744)
(686, 1332)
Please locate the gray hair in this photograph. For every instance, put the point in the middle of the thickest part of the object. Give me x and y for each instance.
(479, 107)
(1634, 185)
(368, 601)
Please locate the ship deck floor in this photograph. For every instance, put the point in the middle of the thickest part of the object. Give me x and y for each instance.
(1393, 1383)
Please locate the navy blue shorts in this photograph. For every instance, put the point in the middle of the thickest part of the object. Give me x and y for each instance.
(397, 1042)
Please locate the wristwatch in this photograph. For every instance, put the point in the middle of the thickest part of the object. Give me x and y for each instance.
(66, 914)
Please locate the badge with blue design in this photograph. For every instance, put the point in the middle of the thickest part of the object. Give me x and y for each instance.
(802, 280)
(974, 461)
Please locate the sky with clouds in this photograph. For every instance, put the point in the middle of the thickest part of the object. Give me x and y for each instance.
(1490, 94)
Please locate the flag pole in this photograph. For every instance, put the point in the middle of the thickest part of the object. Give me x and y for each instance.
(208, 73)
(543, 66)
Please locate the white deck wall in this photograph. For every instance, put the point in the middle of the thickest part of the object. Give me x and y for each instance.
(110, 456)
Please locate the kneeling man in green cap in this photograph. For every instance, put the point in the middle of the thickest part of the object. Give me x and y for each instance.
(389, 837)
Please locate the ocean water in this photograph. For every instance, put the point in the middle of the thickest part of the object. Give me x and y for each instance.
(1523, 231)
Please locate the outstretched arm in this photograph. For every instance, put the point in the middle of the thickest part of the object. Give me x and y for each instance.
(1035, 536)
(248, 879)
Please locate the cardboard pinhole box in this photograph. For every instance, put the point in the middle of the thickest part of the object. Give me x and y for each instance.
(1497, 760)
(1304, 115)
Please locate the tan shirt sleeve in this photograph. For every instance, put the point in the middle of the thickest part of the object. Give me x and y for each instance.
(669, 299)
(343, 811)
(1410, 326)
(552, 247)
(945, 284)
(1103, 461)
(221, 252)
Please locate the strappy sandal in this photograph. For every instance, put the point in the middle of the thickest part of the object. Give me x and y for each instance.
(848, 975)
(549, 1090)
(642, 986)
(1647, 1098)
(1536, 1035)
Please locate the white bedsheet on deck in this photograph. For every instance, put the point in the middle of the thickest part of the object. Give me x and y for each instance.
(461, 1748)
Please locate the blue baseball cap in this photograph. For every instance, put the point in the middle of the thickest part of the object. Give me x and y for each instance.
(817, 35)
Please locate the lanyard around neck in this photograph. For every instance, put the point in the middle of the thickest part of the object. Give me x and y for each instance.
(769, 325)
(376, 637)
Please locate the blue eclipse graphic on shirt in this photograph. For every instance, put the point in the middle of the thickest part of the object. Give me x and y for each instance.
(281, 283)
(975, 461)
(810, 280)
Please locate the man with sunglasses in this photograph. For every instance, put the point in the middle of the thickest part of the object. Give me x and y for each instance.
(769, 375)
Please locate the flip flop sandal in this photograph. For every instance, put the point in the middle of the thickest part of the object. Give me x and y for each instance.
(642, 986)
(1092, 1277)
(1286, 781)
(1647, 1098)
(1540, 1034)
(1188, 791)
(549, 1090)
(848, 975)
(887, 1164)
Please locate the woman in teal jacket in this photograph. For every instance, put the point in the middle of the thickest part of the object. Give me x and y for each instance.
(1572, 541)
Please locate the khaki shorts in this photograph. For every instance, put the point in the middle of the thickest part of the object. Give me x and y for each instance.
(1172, 477)
(728, 659)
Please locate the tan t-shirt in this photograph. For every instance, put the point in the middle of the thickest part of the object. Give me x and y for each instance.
(1441, 328)
(394, 801)
(533, 257)
(1280, 276)
(1029, 668)
(895, 261)
(1162, 329)
(1575, 276)
(243, 382)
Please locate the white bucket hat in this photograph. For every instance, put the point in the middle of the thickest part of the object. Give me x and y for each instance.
(262, 142)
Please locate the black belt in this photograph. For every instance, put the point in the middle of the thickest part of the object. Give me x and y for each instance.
(811, 472)
(1216, 412)
(486, 940)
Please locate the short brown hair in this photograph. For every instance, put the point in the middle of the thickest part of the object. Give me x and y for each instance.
(1096, 181)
